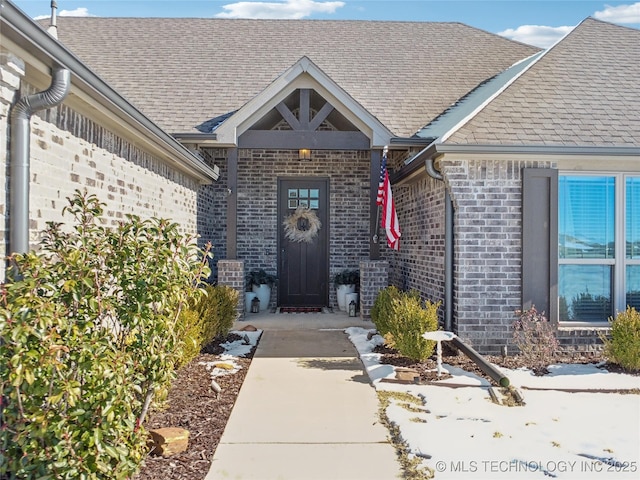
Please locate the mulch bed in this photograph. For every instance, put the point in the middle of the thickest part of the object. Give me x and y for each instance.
(194, 406)
(455, 358)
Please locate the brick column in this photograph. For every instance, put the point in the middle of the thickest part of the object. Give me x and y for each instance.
(231, 273)
(374, 276)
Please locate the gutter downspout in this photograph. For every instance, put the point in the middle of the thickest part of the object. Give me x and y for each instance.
(448, 247)
(20, 155)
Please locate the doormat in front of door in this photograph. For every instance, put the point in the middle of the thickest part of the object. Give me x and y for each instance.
(300, 309)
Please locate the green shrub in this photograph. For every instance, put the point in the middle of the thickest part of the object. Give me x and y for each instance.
(382, 310)
(347, 277)
(624, 346)
(190, 334)
(87, 341)
(209, 315)
(401, 319)
(217, 310)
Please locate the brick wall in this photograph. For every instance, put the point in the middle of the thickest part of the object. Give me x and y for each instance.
(582, 340)
(70, 151)
(61, 163)
(487, 198)
(374, 276)
(419, 264)
(231, 273)
(258, 172)
(212, 209)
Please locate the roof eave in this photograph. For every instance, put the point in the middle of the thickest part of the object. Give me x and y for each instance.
(197, 138)
(416, 166)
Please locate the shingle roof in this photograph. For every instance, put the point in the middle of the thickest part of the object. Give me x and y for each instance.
(183, 72)
(584, 91)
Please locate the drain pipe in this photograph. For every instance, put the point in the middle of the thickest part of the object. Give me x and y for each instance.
(448, 247)
(20, 147)
(20, 155)
(488, 368)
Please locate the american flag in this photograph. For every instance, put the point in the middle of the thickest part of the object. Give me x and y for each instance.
(385, 200)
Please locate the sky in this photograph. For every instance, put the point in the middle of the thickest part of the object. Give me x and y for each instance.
(539, 23)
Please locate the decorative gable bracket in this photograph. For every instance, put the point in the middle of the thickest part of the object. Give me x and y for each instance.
(316, 111)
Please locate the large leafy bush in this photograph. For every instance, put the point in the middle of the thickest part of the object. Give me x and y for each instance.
(624, 346)
(87, 340)
(401, 318)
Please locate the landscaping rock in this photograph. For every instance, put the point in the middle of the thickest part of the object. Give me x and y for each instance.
(248, 328)
(407, 375)
(224, 366)
(169, 441)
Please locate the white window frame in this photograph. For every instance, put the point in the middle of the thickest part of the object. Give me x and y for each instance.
(620, 260)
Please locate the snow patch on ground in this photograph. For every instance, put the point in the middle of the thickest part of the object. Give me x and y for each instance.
(226, 365)
(557, 434)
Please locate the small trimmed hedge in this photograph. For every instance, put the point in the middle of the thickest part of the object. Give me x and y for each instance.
(210, 315)
(401, 318)
(624, 346)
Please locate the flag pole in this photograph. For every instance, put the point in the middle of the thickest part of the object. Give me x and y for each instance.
(385, 150)
(375, 235)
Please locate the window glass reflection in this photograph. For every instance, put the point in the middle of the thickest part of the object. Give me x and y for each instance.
(585, 293)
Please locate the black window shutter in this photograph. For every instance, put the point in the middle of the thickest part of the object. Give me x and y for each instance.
(540, 240)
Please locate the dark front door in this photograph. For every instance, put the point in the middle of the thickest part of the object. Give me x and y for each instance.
(303, 258)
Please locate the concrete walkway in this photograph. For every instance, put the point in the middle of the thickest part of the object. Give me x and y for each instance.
(306, 410)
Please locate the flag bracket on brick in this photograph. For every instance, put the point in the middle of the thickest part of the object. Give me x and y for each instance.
(386, 205)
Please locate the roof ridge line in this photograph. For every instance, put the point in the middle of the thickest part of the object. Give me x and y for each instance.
(532, 61)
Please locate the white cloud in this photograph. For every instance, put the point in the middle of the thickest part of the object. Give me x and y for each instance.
(544, 37)
(537, 35)
(620, 13)
(78, 12)
(288, 9)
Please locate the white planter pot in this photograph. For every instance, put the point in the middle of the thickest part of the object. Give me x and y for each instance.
(264, 294)
(341, 292)
(348, 298)
(248, 297)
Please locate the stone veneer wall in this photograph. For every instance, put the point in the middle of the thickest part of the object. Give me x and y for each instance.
(70, 151)
(258, 173)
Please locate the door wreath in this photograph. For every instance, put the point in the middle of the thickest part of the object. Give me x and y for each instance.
(302, 225)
